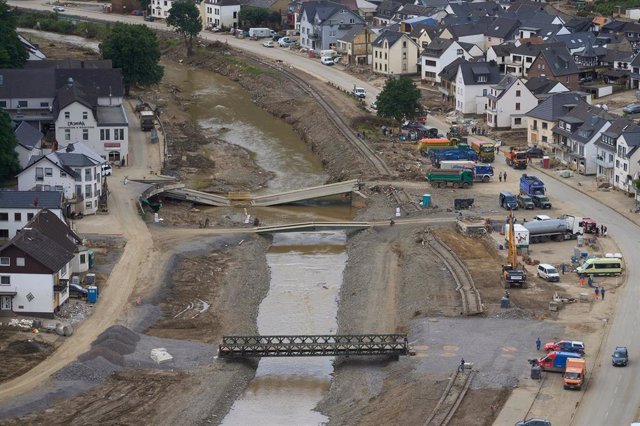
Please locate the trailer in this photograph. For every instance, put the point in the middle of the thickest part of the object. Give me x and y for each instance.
(520, 233)
(560, 229)
(260, 32)
(456, 178)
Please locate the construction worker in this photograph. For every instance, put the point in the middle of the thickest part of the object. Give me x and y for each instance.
(597, 293)
(461, 367)
(602, 292)
(538, 344)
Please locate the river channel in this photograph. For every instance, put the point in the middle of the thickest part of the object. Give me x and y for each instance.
(306, 268)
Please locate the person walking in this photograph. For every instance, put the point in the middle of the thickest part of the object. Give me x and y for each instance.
(581, 280)
(590, 280)
(597, 292)
(500, 176)
(461, 367)
(538, 343)
(602, 292)
(562, 267)
(605, 232)
(504, 176)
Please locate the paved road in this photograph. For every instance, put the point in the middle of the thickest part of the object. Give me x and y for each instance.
(614, 394)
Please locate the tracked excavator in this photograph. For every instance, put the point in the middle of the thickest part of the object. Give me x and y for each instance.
(513, 274)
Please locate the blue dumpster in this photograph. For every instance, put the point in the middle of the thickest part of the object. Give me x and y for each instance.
(426, 200)
(92, 294)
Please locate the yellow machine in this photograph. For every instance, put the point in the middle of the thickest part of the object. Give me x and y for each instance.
(512, 274)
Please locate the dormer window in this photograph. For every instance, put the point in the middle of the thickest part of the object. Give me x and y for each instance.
(567, 126)
(482, 79)
(460, 52)
(583, 133)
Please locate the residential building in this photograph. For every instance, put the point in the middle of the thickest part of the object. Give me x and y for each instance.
(76, 171)
(521, 57)
(634, 77)
(627, 166)
(630, 30)
(500, 54)
(542, 119)
(606, 149)
(555, 62)
(19, 207)
(437, 55)
(29, 142)
(395, 53)
(447, 86)
(323, 23)
(385, 12)
(222, 13)
(575, 136)
(355, 45)
(473, 83)
(160, 8)
(509, 100)
(542, 87)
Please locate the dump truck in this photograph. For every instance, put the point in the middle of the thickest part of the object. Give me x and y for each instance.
(560, 229)
(481, 172)
(574, 373)
(462, 152)
(147, 119)
(486, 150)
(462, 178)
(516, 158)
(556, 361)
(428, 145)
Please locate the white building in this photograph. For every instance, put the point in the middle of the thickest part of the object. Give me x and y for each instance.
(509, 101)
(160, 8)
(17, 208)
(29, 142)
(440, 53)
(627, 168)
(473, 83)
(76, 171)
(222, 13)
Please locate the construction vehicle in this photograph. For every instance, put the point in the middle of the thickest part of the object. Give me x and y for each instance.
(574, 373)
(461, 152)
(560, 229)
(147, 119)
(513, 275)
(516, 158)
(461, 178)
(531, 185)
(428, 145)
(456, 134)
(486, 150)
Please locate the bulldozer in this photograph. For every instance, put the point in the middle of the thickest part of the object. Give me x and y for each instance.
(513, 274)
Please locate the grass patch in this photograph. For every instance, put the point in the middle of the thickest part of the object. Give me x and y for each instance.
(62, 24)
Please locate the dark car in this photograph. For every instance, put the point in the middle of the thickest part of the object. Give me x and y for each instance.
(620, 356)
(534, 422)
(535, 152)
(586, 79)
(525, 202)
(149, 18)
(541, 201)
(631, 109)
(276, 37)
(76, 290)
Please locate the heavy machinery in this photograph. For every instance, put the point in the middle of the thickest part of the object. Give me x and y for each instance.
(456, 135)
(560, 229)
(486, 150)
(516, 158)
(459, 178)
(513, 275)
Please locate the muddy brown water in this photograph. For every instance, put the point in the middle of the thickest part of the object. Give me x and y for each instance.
(306, 275)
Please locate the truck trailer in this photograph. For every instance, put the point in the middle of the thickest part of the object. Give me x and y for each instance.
(560, 229)
(260, 32)
(531, 185)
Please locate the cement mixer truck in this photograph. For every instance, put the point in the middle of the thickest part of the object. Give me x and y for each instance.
(560, 229)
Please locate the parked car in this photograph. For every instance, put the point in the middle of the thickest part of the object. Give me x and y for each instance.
(374, 105)
(276, 37)
(359, 92)
(631, 109)
(76, 290)
(107, 170)
(535, 152)
(149, 18)
(586, 79)
(268, 43)
(541, 201)
(548, 272)
(620, 356)
(327, 60)
(565, 346)
(534, 422)
(525, 202)
(285, 41)
(58, 8)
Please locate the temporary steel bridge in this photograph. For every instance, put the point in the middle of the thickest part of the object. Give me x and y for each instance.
(313, 227)
(313, 345)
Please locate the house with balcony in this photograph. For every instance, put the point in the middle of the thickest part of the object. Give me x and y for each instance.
(323, 23)
(627, 165)
(500, 54)
(576, 134)
(17, 208)
(556, 62)
(473, 84)
(355, 45)
(75, 170)
(543, 118)
(385, 13)
(440, 53)
(606, 148)
(395, 53)
(34, 274)
(447, 86)
(521, 57)
(509, 100)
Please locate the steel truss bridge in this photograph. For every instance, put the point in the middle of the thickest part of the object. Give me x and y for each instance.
(313, 345)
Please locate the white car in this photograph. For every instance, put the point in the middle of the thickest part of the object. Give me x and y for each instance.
(285, 42)
(327, 60)
(58, 8)
(359, 92)
(107, 170)
(268, 43)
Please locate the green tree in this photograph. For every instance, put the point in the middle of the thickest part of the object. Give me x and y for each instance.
(185, 19)
(251, 16)
(399, 99)
(12, 52)
(9, 165)
(135, 49)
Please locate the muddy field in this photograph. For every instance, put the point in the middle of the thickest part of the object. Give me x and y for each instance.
(20, 351)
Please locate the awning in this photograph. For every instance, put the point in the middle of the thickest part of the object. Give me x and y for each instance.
(7, 292)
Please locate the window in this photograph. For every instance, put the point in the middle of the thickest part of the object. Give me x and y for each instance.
(482, 79)
(39, 174)
(517, 121)
(544, 125)
(87, 204)
(105, 134)
(19, 261)
(5, 279)
(617, 163)
(83, 258)
(48, 171)
(67, 115)
(85, 115)
(484, 92)
(5, 261)
(517, 106)
(404, 44)
(624, 167)
(22, 104)
(4, 217)
(87, 191)
(544, 139)
(67, 134)
(29, 216)
(460, 52)
(85, 134)
(17, 217)
(87, 174)
(430, 63)
(44, 104)
(3, 104)
(4, 233)
(59, 188)
(63, 173)
(517, 93)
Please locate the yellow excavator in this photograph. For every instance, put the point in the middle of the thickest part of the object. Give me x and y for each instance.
(513, 275)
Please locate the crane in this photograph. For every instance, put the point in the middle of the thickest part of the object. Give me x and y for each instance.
(513, 275)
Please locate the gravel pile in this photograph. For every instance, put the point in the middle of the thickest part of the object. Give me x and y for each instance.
(93, 371)
(513, 313)
(118, 332)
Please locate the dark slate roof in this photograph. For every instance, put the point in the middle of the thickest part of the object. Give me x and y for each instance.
(507, 81)
(450, 72)
(111, 115)
(540, 85)
(556, 106)
(537, 19)
(620, 26)
(576, 40)
(27, 135)
(576, 25)
(476, 9)
(618, 127)
(471, 72)
(523, 8)
(438, 4)
(26, 199)
(53, 227)
(466, 46)
(70, 159)
(388, 8)
(391, 36)
(560, 60)
(73, 92)
(532, 49)
(437, 47)
(636, 61)
(588, 118)
(502, 27)
(70, 63)
(265, 4)
(417, 10)
(503, 49)
(350, 35)
(43, 249)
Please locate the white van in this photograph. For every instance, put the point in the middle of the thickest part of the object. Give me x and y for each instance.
(600, 266)
(327, 60)
(548, 272)
(106, 169)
